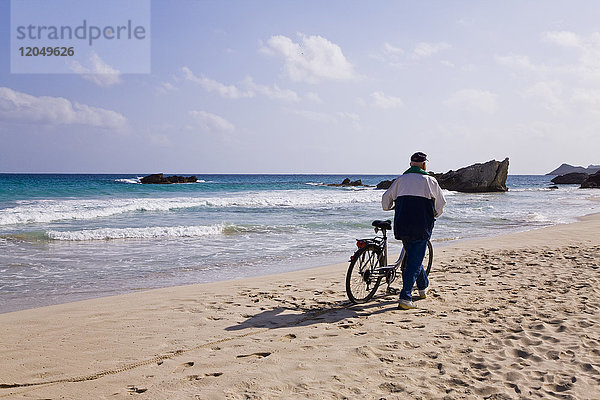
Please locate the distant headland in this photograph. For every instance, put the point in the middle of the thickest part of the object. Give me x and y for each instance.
(569, 169)
(586, 177)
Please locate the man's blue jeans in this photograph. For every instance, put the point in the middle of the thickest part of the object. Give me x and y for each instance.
(414, 272)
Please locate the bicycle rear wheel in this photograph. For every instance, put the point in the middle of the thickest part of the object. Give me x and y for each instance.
(362, 278)
(427, 259)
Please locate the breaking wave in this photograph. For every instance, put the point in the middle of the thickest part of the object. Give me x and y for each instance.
(165, 232)
(44, 211)
(137, 233)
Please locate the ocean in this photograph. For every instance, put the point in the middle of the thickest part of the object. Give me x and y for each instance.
(71, 237)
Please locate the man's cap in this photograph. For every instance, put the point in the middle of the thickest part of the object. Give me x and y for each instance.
(418, 157)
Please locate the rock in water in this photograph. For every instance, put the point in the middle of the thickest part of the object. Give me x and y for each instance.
(592, 181)
(160, 179)
(348, 182)
(384, 185)
(476, 178)
(574, 177)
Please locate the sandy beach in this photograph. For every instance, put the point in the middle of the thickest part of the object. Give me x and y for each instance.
(514, 316)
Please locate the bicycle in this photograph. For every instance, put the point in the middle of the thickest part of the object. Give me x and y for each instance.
(368, 265)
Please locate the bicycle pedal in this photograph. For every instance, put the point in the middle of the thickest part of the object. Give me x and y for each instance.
(391, 290)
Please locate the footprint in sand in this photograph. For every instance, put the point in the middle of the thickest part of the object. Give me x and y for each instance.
(560, 387)
(392, 387)
(183, 367)
(257, 355)
(586, 324)
(587, 367)
(135, 389)
(514, 376)
(530, 342)
(289, 336)
(521, 353)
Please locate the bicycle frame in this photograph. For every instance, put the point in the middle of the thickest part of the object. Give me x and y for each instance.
(385, 268)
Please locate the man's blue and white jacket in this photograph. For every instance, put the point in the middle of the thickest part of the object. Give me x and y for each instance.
(418, 202)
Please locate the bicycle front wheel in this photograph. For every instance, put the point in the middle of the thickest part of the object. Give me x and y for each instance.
(363, 278)
(427, 259)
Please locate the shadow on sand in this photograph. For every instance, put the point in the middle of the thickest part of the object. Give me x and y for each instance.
(284, 317)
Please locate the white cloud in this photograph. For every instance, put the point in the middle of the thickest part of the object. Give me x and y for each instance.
(547, 94)
(397, 57)
(24, 108)
(246, 89)
(587, 99)
(98, 71)
(554, 96)
(167, 86)
(564, 38)
(382, 100)
(473, 100)
(161, 140)
(583, 56)
(516, 61)
(354, 119)
(389, 49)
(271, 92)
(314, 97)
(312, 60)
(315, 116)
(211, 122)
(227, 91)
(424, 49)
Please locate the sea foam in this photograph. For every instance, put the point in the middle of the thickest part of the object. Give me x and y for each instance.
(130, 180)
(137, 233)
(44, 211)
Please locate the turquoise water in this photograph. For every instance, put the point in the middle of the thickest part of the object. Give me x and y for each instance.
(70, 237)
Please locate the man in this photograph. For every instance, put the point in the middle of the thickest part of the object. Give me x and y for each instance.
(419, 200)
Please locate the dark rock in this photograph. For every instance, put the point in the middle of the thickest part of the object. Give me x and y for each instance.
(592, 181)
(154, 178)
(348, 182)
(552, 187)
(181, 179)
(160, 179)
(476, 178)
(573, 177)
(384, 185)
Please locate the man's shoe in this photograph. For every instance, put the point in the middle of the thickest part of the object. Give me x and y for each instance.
(422, 295)
(406, 305)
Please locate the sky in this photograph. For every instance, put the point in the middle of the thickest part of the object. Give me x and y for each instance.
(327, 86)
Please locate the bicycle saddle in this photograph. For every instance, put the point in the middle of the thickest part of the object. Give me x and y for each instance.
(387, 224)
